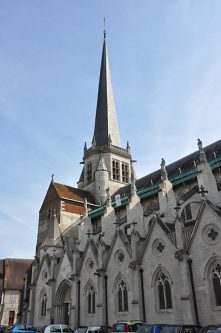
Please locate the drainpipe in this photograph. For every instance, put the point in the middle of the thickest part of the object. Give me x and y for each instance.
(142, 294)
(106, 303)
(79, 304)
(193, 290)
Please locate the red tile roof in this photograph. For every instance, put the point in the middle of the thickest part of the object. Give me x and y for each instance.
(72, 193)
(15, 270)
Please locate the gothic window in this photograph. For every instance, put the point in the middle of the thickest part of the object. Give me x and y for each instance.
(44, 305)
(96, 225)
(122, 296)
(89, 172)
(187, 213)
(91, 299)
(125, 172)
(216, 283)
(164, 292)
(116, 169)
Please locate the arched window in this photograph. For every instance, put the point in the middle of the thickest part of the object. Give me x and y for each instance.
(164, 291)
(91, 299)
(187, 213)
(44, 305)
(122, 296)
(216, 283)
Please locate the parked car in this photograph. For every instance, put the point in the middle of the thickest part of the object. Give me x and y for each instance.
(93, 329)
(122, 326)
(41, 329)
(58, 328)
(166, 328)
(20, 328)
(149, 328)
(211, 329)
(180, 329)
(2, 328)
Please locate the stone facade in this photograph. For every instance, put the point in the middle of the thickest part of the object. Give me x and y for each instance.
(120, 248)
(12, 275)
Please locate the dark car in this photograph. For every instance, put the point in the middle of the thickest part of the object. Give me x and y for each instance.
(180, 329)
(2, 328)
(155, 328)
(211, 329)
(21, 328)
(166, 328)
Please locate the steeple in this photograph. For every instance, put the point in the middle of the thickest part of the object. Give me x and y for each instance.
(106, 163)
(106, 124)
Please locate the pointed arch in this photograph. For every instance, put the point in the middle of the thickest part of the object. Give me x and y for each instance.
(159, 269)
(120, 288)
(63, 302)
(43, 299)
(213, 275)
(162, 284)
(89, 283)
(90, 297)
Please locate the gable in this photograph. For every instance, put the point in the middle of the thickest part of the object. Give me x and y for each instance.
(207, 229)
(158, 243)
(50, 201)
(90, 251)
(120, 241)
(64, 270)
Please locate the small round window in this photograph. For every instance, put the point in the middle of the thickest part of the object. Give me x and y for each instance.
(119, 257)
(158, 247)
(90, 264)
(211, 234)
(44, 275)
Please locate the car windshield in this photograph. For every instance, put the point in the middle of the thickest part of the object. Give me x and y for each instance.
(119, 327)
(170, 329)
(214, 330)
(125, 327)
(145, 329)
(81, 330)
(66, 329)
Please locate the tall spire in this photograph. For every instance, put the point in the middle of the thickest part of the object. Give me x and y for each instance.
(106, 119)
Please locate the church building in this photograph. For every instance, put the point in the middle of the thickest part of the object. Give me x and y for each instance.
(120, 248)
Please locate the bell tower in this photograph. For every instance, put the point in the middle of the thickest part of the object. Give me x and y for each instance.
(106, 164)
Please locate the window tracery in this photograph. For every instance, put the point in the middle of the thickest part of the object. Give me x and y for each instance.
(43, 309)
(164, 291)
(122, 296)
(216, 283)
(91, 299)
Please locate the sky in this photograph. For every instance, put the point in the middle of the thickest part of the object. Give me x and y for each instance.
(165, 62)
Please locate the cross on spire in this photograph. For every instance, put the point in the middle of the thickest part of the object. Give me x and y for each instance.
(89, 233)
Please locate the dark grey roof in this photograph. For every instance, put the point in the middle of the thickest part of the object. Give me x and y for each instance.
(106, 120)
(185, 163)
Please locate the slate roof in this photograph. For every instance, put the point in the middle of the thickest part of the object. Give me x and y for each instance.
(14, 272)
(106, 119)
(72, 193)
(184, 164)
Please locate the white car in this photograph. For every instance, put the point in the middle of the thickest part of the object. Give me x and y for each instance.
(93, 329)
(57, 328)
